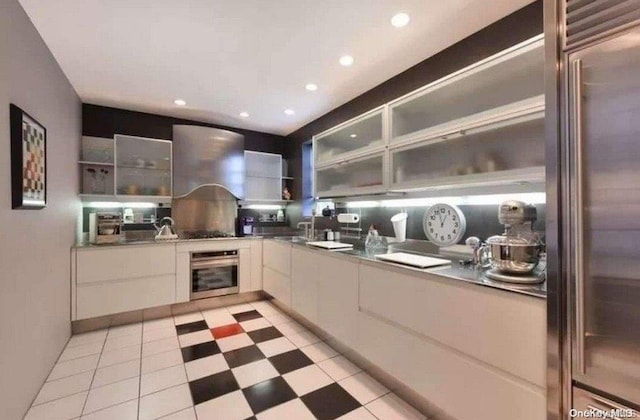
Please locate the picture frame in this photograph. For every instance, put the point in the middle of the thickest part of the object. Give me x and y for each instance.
(28, 161)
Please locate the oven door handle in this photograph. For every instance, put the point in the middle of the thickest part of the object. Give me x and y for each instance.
(211, 263)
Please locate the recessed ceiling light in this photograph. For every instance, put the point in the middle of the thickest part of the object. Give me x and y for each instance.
(353, 136)
(180, 102)
(289, 111)
(346, 60)
(400, 19)
(244, 114)
(311, 87)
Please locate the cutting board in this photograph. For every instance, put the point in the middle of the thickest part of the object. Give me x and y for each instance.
(330, 245)
(413, 260)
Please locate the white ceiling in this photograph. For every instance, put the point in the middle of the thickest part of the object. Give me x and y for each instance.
(227, 56)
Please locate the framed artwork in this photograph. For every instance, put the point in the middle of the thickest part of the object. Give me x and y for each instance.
(28, 161)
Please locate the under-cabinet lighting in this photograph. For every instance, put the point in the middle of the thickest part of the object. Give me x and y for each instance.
(115, 205)
(471, 200)
(363, 204)
(264, 206)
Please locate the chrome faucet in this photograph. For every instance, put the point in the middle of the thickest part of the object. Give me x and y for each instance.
(309, 227)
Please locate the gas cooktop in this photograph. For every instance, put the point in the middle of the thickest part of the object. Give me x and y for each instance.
(206, 234)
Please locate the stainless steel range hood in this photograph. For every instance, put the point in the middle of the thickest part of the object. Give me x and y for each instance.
(208, 178)
(207, 156)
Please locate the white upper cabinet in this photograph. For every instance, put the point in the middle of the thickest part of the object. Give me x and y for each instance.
(361, 135)
(143, 166)
(493, 89)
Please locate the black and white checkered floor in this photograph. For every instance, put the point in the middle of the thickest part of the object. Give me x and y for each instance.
(240, 362)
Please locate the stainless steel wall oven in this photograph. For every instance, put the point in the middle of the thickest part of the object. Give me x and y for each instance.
(214, 273)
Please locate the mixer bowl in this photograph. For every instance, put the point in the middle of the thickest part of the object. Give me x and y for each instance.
(509, 256)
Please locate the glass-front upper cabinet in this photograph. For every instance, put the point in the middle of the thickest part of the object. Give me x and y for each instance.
(499, 85)
(362, 134)
(352, 177)
(143, 166)
(263, 176)
(505, 152)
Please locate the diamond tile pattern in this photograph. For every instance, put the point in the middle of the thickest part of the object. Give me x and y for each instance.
(244, 361)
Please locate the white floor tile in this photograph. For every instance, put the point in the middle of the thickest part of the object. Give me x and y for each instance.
(159, 334)
(303, 339)
(114, 343)
(153, 324)
(294, 409)
(307, 379)
(162, 379)
(63, 409)
(233, 405)
(205, 366)
(234, 342)
(73, 367)
(194, 338)
(390, 407)
(319, 352)
(88, 338)
(290, 328)
(359, 414)
(218, 318)
(265, 308)
(236, 309)
(186, 414)
(122, 330)
(125, 411)
(160, 346)
(116, 373)
(165, 402)
(161, 361)
(363, 387)
(64, 387)
(187, 318)
(339, 368)
(255, 324)
(124, 354)
(111, 394)
(277, 346)
(83, 350)
(277, 319)
(252, 373)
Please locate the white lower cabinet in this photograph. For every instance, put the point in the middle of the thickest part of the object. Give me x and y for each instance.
(277, 285)
(306, 272)
(474, 352)
(117, 279)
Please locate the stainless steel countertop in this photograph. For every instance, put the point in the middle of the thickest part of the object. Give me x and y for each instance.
(154, 242)
(455, 271)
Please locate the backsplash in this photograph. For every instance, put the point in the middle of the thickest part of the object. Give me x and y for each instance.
(147, 214)
(482, 220)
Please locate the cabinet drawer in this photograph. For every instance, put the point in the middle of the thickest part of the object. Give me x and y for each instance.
(277, 256)
(277, 285)
(126, 262)
(126, 295)
(503, 329)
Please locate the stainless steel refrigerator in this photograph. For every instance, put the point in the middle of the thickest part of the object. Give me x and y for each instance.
(602, 245)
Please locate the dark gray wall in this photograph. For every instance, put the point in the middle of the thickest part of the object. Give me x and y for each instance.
(35, 264)
(517, 27)
(103, 121)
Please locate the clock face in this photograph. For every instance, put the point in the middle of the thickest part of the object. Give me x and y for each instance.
(444, 224)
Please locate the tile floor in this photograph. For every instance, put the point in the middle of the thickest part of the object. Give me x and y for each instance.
(247, 361)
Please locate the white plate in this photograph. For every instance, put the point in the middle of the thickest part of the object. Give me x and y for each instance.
(330, 245)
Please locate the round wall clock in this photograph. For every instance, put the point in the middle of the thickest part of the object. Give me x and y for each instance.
(444, 224)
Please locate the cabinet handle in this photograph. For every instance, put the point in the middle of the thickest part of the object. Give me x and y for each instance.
(576, 101)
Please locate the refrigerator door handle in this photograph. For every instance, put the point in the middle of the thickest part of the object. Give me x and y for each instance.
(576, 86)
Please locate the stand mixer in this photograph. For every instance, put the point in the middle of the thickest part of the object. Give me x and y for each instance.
(515, 255)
